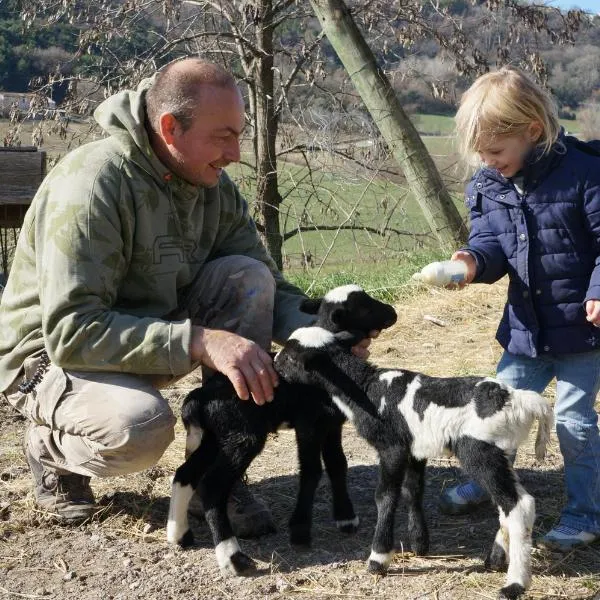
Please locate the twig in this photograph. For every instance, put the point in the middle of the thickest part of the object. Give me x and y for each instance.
(3, 589)
(434, 320)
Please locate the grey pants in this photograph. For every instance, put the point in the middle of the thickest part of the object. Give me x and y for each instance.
(103, 423)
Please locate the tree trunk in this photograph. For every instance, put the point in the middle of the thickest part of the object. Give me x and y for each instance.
(267, 194)
(396, 128)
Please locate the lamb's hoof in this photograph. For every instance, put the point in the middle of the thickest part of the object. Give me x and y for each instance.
(511, 592)
(187, 539)
(376, 568)
(348, 526)
(300, 538)
(496, 559)
(420, 547)
(239, 565)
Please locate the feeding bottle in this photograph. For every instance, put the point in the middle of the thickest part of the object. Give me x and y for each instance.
(443, 273)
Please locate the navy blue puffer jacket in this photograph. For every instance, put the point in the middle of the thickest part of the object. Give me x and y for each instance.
(548, 241)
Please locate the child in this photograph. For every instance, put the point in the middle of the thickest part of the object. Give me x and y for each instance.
(535, 214)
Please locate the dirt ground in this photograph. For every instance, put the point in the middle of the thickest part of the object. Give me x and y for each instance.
(122, 553)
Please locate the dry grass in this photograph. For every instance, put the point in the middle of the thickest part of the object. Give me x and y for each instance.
(123, 554)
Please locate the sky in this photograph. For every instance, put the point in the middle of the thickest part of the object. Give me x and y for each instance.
(589, 5)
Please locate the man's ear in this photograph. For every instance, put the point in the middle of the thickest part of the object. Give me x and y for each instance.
(311, 305)
(169, 128)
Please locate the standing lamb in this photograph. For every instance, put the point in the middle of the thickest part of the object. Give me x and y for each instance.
(225, 434)
(409, 417)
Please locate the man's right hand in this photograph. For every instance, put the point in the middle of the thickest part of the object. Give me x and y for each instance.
(243, 362)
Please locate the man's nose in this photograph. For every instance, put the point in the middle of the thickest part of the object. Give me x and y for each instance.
(232, 151)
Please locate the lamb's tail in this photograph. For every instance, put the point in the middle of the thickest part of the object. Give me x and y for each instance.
(540, 408)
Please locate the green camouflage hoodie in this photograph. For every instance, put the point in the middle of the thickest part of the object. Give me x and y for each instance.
(109, 238)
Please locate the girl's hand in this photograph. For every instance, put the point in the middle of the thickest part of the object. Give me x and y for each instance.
(592, 308)
(468, 258)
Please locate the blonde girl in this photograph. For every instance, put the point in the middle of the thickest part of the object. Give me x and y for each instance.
(534, 207)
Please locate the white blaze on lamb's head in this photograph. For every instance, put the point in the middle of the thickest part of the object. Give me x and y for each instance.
(312, 337)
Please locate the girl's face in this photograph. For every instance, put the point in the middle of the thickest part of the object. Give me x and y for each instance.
(507, 154)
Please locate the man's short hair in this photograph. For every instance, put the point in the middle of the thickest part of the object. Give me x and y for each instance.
(177, 89)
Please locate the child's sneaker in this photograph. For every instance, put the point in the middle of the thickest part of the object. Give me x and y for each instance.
(565, 539)
(463, 499)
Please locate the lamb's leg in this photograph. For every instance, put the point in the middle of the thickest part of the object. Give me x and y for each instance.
(519, 523)
(309, 457)
(412, 494)
(392, 462)
(491, 468)
(336, 466)
(214, 490)
(185, 481)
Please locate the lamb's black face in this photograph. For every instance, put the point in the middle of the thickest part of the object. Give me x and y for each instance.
(350, 308)
(364, 313)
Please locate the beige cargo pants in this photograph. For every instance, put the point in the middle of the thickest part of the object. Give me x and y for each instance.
(102, 424)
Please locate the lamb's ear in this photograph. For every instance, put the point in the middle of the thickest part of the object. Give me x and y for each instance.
(336, 316)
(314, 359)
(311, 305)
(349, 338)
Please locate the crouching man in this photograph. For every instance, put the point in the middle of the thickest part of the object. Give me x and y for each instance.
(138, 262)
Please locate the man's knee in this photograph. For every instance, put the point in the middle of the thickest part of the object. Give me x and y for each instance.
(139, 445)
(249, 273)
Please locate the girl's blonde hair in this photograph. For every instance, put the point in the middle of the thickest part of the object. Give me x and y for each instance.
(504, 104)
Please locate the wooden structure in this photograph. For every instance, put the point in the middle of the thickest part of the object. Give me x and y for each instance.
(22, 170)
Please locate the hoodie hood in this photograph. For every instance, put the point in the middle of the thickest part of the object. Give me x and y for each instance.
(123, 116)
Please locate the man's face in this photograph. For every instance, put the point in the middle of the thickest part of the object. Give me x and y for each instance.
(213, 139)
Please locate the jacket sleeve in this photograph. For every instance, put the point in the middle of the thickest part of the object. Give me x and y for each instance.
(242, 237)
(81, 262)
(483, 243)
(591, 206)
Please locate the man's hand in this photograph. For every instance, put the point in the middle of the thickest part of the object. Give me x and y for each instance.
(592, 309)
(362, 348)
(468, 258)
(244, 363)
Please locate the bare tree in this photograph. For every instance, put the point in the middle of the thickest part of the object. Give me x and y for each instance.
(397, 129)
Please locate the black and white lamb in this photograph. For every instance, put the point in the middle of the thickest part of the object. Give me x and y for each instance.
(409, 417)
(225, 434)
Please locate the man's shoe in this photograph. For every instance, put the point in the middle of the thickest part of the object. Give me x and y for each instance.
(249, 515)
(67, 495)
(463, 499)
(565, 539)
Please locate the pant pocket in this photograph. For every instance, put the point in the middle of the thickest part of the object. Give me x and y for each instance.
(47, 395)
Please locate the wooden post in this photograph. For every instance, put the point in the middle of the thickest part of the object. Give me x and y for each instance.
(22, 170)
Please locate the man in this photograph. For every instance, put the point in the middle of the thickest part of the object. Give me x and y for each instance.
(137, 262)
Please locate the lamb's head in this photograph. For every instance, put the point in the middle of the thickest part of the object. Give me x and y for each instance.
(350, 308)
(308, 350)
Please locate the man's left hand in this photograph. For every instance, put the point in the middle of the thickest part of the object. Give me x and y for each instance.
(362, 348)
